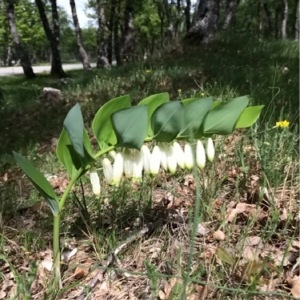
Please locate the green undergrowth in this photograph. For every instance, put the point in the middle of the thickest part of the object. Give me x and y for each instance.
(258, 167)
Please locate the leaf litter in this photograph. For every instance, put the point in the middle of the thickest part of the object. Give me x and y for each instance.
(239, 247)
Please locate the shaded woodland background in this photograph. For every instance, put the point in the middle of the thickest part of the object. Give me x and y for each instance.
(34, 32)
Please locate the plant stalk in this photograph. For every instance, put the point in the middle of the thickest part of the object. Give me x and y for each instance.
(56, 252)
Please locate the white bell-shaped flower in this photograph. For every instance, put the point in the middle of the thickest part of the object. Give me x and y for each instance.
(179, 153)
(188, 156)
(112, 154)
(200, 155)
(128, 163)
(163, 156)
(155, 160)
(171, 159)
(118, 168)
(107, 170)
(137, 166)
(146, 155)
(210, 150)
(95, 182)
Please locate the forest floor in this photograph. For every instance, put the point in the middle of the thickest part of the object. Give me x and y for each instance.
(135, 241)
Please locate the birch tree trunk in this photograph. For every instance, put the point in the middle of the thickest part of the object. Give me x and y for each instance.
(285, 19)
(52, 36)
(117, 46)
(102, 60)
(84, 56)
(20, 49)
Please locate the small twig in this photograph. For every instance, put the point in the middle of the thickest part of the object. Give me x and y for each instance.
(110, 258)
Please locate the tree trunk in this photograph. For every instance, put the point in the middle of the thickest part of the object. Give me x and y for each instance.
(260, 19)
(297, 25)
(102, 60)
(230, 13)
(284, 20)
(79, 39)
(277, 25)
(110, 35)
(170, 34)
(205, 23)
(20, 49)
(268, 16)
(117, 45)
(8, 59)
(52, 36)
(187, 12)
(128, 32)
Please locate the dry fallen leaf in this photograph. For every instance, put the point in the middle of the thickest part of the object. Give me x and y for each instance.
(202, 230)
(295, 283)
(2, 295)
(239, 209)
(252, 248)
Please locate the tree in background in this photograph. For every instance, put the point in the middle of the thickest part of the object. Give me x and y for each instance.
(130, 29)
(79, 39)
(297, 25)
(18, 46)
(128, 34)
(102, 58)
(52, 36)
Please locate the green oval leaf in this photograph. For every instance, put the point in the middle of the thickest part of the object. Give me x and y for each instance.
(153, 102)
(73, 124)
(222, 118)
(249, 116)
(167, 121)
(130, 125)
(194, 113)
(102, 126)
(67, 155)
(39, 181)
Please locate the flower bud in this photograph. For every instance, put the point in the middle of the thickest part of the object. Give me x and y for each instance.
(200, 155)
(107, 170)
(112, 154)
(179, 155)
(171, 159)
(210, 150)
(155, 160)
(137, 166)
(163, 156)
(117, 170)
(146, 155)
(128, 163)
(188, 156)
(95, 182)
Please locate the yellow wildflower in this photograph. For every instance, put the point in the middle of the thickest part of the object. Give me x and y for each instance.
(148, 71)
(283, 124)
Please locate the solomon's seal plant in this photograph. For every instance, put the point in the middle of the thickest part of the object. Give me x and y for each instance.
(123, 133)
